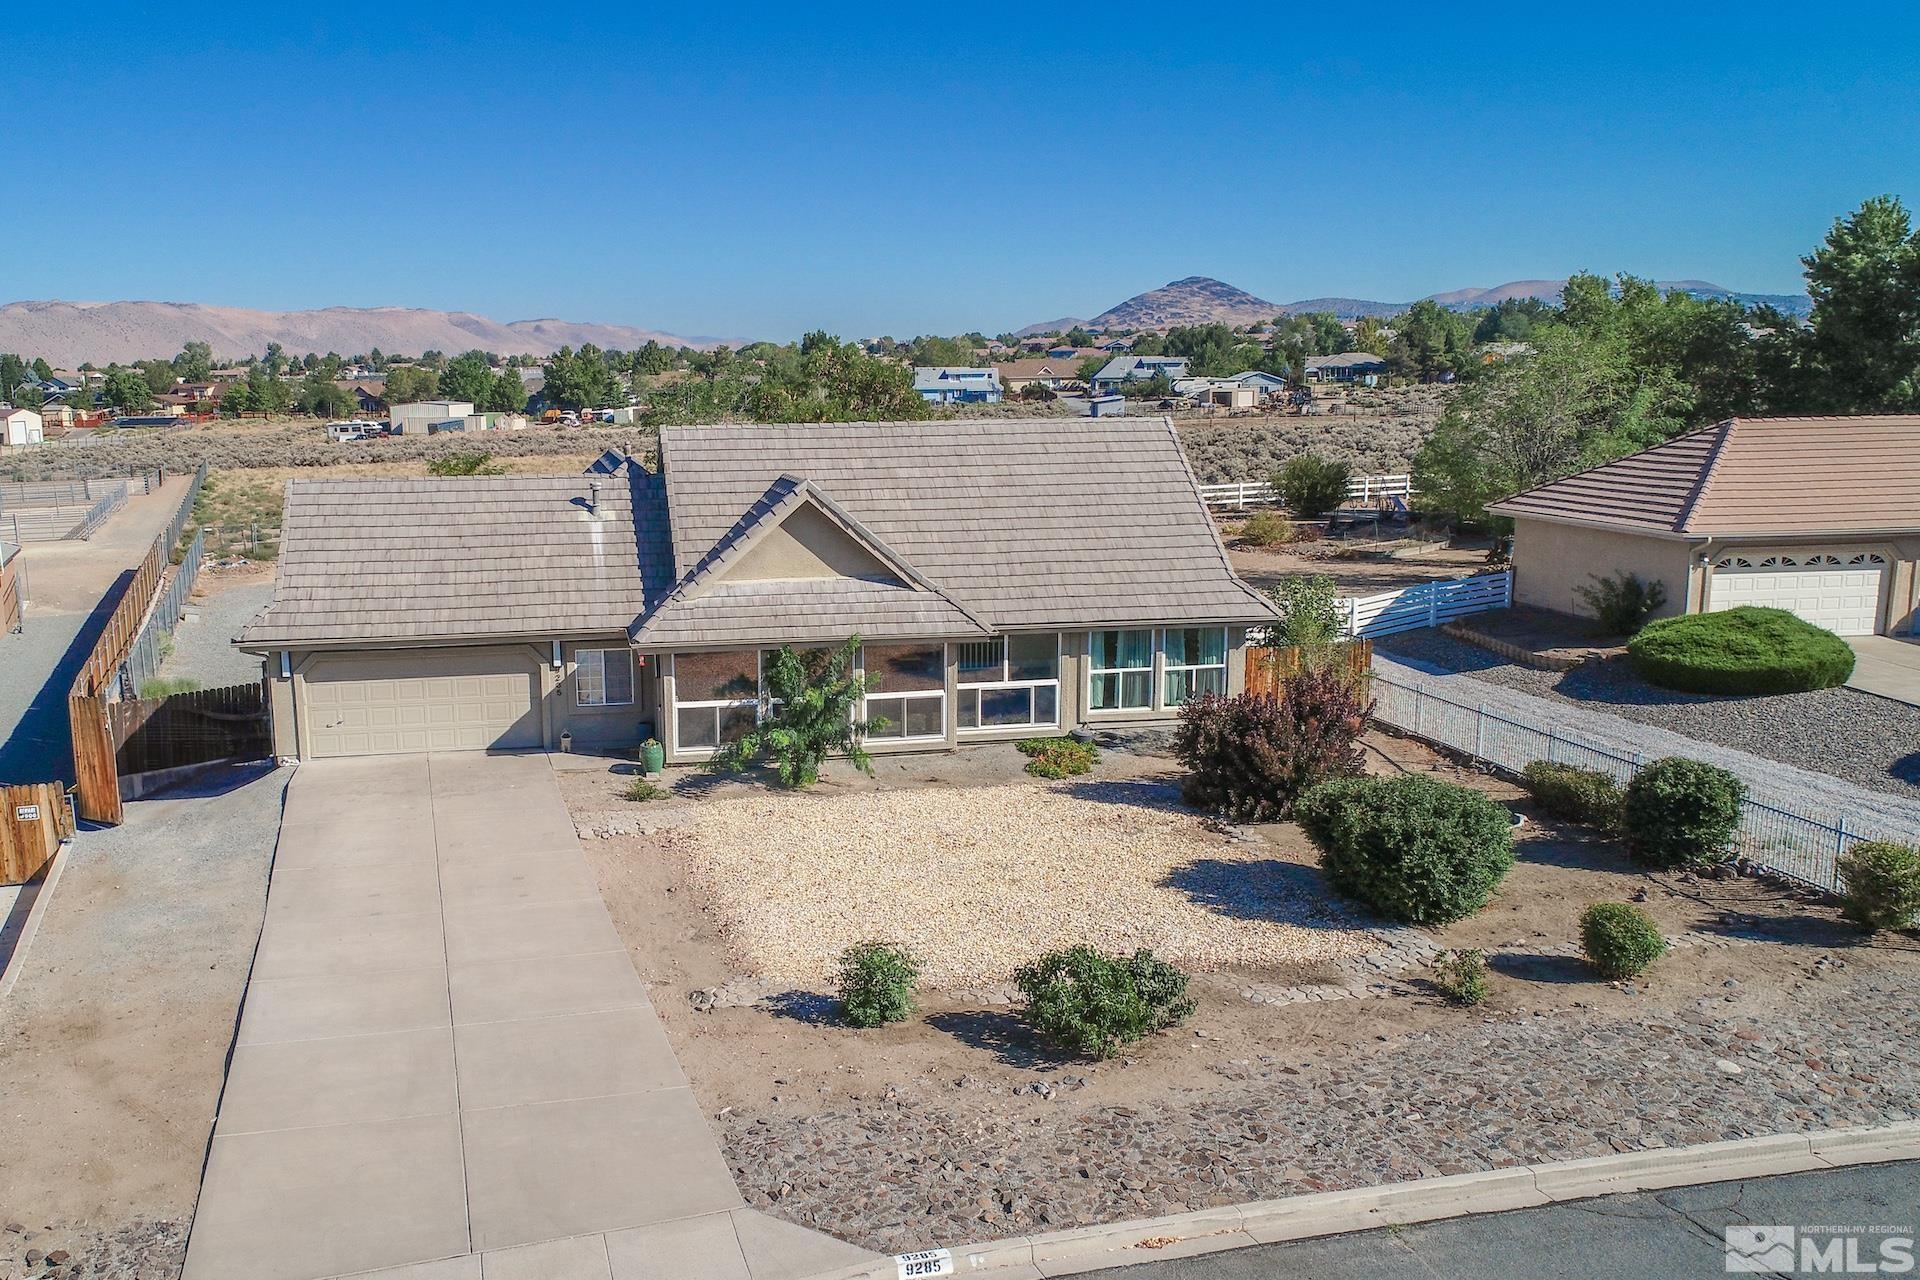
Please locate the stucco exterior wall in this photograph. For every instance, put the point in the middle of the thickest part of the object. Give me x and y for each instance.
(1550, 560)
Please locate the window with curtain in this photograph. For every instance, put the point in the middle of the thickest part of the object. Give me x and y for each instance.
(603, 677)
(1120, 670)
(909, 690)
(1193, 662)
(1010, 683)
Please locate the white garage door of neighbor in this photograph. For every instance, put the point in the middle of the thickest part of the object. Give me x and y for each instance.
(1836, 590)
(368, 704)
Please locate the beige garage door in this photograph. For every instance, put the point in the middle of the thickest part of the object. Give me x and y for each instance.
(371, 704)
(1838, 590)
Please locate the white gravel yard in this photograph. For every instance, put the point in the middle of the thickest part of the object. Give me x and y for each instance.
(979, 880)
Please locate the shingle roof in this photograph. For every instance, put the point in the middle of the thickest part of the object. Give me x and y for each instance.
(1818, 476)
(1346, 359)
(479, 556)
(1025, 524)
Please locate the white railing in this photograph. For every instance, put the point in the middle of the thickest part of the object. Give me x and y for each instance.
(1426, 605)
(1793, 844)
(1253, 493)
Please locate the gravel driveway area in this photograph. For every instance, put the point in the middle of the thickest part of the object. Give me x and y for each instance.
(979, 880)
(1834, 753)
(202, 643)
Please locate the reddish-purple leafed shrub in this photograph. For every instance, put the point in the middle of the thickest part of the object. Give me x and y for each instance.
(1250, 757)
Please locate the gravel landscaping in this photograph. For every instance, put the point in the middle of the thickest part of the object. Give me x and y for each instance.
(1868, 741)
(979, 880)
(202, 644)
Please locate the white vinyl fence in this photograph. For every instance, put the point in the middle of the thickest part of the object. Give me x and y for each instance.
(1255, 493)
(1791, 844)
(1427, 605)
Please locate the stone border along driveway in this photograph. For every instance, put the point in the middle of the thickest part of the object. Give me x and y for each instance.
(446, 1064)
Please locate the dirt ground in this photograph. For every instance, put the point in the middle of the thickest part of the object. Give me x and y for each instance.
(785, 1054)
(1360, 569)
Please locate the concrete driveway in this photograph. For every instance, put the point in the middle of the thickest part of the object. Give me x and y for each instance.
(446, 1058)
(1888, 666)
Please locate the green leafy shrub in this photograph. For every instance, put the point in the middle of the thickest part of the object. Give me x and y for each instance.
(1622, 604)
(814, 696)
(1311, 485)
(1620, 940)
(641, 790)
(1461, 976)
(1094, 1003)
(1748, 650)
(1310, 613)
(1682, 813)
(474, 463)
(1250, 757)
(1059, 757)
(1266, 529)
(876, 984)
(1880, 885)
(1589, 796)
(1413, 848)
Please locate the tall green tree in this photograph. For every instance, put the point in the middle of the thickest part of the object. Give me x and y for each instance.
(467, 377)
(506, 394)
(194, 363)
(410, 384)
(127, 391)
(1861, 352)
(1430, 341)
(814, 701)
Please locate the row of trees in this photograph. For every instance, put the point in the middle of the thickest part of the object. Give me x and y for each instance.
(1618, 366)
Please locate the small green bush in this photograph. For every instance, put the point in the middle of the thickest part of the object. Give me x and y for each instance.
(1266, 529)
(876, 984)
(1059, 757)
(1461, 976)
(167, 686)
(1414, 848)
(1094, 1003)
(1622, 604)
(1311, 485)
(1682, 813)
(1310, 612)
(1748, 650)
(1588, 796)
(1880, 885)
(1620, 940)
(640, 789)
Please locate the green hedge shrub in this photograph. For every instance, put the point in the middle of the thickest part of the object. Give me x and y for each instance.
(1311, 485)
(1414, 848)
(1620, 940)
(1250, 757)
(1880, 885)
(1589, 796)
(1622, 605)
(1682, 813)
(876, 984)
(1748, 650)
(1094, 1003)
(1461, 976)
(1266, 529)
(1059, 757)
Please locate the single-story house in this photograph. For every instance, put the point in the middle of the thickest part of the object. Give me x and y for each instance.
(1006, 578)
(21, 427)
(1267, 384)
(1220, 393)
(1017, 375)
(1348, 366)
(957, 384)
(1117, 372)
(1820, 516)
(1116, 346)
(420, 419)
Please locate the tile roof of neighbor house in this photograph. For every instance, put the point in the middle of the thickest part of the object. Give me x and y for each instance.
(1346, 360)
(981, 526)
(459, 557)
(937, 377)
(1046, 367)
(1750, 476)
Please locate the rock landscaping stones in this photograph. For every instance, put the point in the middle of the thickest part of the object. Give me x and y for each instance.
(907, 1171)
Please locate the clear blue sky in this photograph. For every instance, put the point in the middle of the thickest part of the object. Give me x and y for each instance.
(762, 169)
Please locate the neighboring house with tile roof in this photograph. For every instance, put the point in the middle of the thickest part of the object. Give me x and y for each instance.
(1116, 373)
(1348, 366)
(1053, 374)
(957, 384)
(1007, 578)
(1820, 516)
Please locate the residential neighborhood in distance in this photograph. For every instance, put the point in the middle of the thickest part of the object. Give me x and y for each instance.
(588, 693)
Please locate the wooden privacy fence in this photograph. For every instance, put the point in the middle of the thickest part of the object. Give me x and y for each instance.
(13, 589)
(1267, 667)
(200, 727)
(34, 819)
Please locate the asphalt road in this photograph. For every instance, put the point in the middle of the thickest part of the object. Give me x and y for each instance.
(1662, 1235)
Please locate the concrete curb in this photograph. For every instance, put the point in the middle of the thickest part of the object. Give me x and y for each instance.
(42, 896)
(1185, 1235)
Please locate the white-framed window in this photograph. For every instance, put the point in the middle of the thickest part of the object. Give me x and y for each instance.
(1120, 670)
(716, 697)
(603, 677)
(1193, 661)
(1009, 682)
(909, 691)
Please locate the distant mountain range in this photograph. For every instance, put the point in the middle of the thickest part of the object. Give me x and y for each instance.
(1204, 300)
(68, 333)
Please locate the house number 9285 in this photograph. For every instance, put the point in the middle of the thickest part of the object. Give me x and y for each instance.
(925, 1262)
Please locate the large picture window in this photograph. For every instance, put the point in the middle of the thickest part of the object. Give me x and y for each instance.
(603, 677)
(1193, 661)
(716, 697)
(1120, 670)
(1012, 682)
(909, 690)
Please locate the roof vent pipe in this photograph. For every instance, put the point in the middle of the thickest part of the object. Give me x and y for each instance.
(593, 498)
